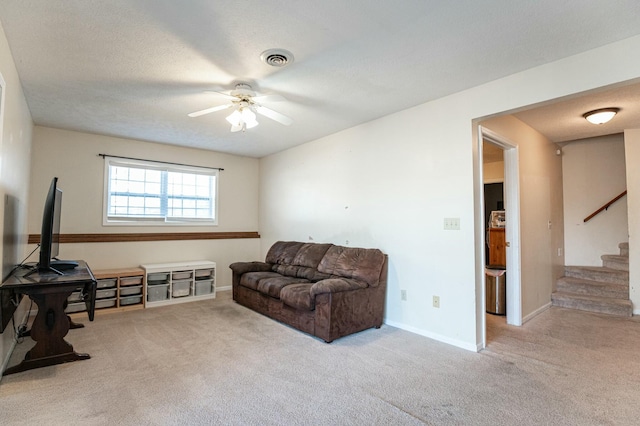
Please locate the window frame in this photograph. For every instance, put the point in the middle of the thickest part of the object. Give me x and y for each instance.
(161, 221)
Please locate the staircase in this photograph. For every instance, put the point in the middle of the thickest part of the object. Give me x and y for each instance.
(602, 289)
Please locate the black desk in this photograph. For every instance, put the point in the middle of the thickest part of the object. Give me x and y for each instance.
(50, 291)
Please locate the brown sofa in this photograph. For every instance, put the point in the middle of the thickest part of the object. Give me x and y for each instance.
(325, 290)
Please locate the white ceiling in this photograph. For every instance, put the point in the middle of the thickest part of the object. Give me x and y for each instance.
(135, 68)
(563, 120)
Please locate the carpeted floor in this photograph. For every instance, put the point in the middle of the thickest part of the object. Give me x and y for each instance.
(214, 362)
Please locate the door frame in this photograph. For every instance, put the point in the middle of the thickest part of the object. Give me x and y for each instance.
(512, 207)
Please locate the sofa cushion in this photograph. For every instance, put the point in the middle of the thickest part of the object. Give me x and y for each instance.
(310, 274)
(272, 285)
(310, 255)
(296, 259)
(251, 279)
(361, 264)
(298, 296)
(335, 285)
(283, 252)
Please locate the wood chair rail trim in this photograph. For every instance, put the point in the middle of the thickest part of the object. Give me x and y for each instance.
(145, 236)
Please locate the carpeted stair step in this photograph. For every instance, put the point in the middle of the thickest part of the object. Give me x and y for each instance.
(592, 288)
(624, 249)
(597, 273)
(614, 261)
(604, 305)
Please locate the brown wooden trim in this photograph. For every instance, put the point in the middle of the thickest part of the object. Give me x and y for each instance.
(605, 207)
(136, 237)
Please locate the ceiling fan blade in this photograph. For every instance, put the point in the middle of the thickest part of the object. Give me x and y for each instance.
(269, 98)
(209, 110)
(224, 95)
(276, 116)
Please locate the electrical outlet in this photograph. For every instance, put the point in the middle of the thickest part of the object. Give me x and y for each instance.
(403, 295)
(436, 301)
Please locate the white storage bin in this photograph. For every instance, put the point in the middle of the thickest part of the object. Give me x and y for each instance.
(131, 290)
(156, 293)
(181, 275)
(125, 281)
(75, 307)
(181, 288)
(106, 283)
(76, 296)
(204, 287)
(106, 293)
(203, 274)
(105, 303)
(157, 277)
(130, 300)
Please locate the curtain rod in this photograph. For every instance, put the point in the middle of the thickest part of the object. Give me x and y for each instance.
(163, 162)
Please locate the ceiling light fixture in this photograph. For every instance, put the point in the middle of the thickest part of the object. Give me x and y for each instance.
(600, 116)
(242, 118)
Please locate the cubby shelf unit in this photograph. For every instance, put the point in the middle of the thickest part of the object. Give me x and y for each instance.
(179, 282)
(120, 289)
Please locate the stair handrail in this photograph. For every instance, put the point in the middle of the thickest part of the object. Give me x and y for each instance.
(605, 206)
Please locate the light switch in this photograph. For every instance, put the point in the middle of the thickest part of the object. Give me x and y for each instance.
(452, 223)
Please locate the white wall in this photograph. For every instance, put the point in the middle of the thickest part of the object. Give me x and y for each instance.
(390, 183)
(594, 173)
(73, 158)
(15, 146)
(632, 151)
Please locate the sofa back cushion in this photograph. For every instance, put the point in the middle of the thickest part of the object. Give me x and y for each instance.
(301, 264)
(360, 264)
(310, 255)
(283, 252)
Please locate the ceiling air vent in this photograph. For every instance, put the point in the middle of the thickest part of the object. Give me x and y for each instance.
(276, 57)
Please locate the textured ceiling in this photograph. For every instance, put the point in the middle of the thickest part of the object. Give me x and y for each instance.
(563, 121)
(135, 68)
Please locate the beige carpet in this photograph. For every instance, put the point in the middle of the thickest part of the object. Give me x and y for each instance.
(214, 362)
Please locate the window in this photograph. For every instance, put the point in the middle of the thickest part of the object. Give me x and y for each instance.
(144, 192)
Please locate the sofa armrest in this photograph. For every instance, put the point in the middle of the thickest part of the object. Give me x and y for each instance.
(336, 285)
(244, 267)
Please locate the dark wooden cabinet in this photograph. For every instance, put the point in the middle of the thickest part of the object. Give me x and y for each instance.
(497, 247)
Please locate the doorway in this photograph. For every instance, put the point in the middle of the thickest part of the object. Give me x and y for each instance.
(511, 204)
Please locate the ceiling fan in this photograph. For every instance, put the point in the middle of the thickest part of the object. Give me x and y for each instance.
(245, 105)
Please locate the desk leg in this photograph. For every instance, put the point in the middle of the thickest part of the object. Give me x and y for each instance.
(74, 325)
(48, 330)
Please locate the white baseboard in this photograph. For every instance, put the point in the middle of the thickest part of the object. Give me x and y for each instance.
(636, 312)
(444, 339)
(536, 312)
(225, 288)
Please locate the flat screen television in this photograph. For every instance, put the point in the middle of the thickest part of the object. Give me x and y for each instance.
(50, 234)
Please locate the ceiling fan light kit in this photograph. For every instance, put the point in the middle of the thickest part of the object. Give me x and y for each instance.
(600, 116)
(241, 119)
(246, 104)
